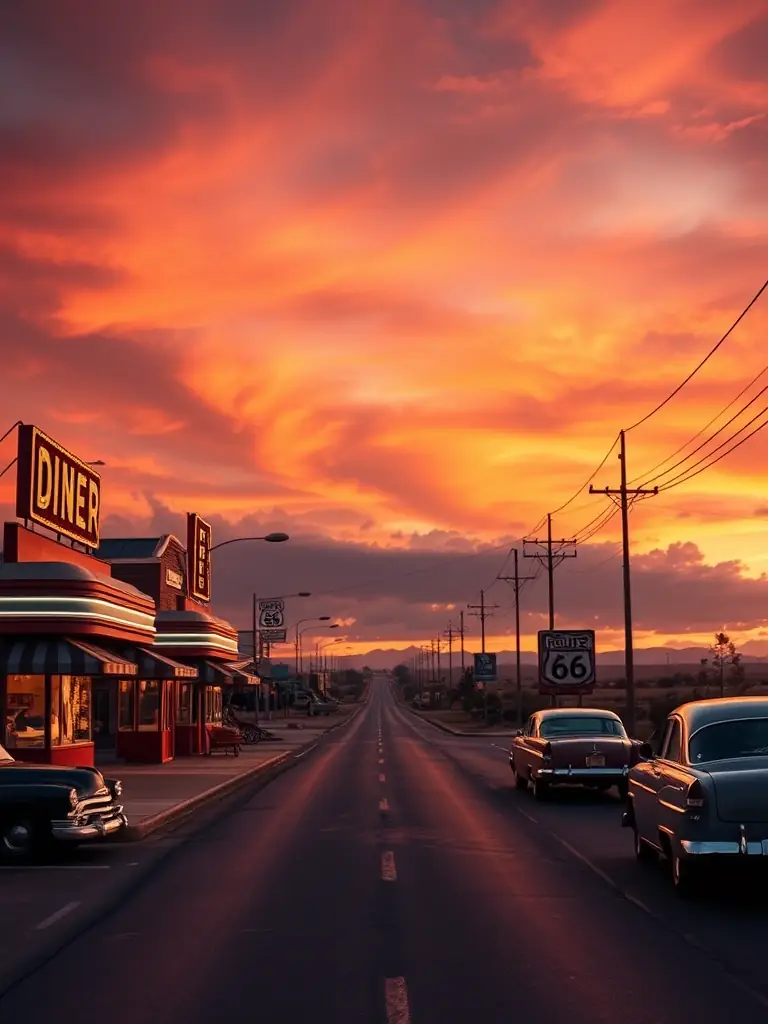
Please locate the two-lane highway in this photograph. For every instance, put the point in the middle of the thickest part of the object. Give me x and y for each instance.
(383, 880)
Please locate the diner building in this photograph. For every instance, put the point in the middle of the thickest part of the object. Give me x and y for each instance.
(186, 634)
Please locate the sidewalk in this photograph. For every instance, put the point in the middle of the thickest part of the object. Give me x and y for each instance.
(479, 730)
(155, 795)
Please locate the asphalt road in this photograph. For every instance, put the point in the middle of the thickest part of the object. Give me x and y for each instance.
(395, 876)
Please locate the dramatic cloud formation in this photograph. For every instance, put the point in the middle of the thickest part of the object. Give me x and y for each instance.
(392, 276)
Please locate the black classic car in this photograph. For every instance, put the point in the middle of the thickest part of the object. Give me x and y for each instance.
(43, 804)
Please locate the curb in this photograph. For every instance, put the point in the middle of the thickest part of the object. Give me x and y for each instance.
(79, 926)
(457, 732)
(178, 812)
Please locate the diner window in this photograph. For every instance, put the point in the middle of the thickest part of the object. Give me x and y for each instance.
(126, 705)
(70, 709)
(149, 705)
(25, 712)
(213, 704)
(184, 704)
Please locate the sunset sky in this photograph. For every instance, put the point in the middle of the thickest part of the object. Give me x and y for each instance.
(390, 276)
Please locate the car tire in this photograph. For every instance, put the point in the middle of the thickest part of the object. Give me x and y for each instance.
(685, 876)
(644, 852)
(521, 781)
(18, 839)
(623, 788)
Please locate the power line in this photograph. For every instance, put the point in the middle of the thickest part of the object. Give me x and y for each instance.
(705, 360)
(583, 487)
(670, 485)
(709, 439)
(706, 426)
(727, 441)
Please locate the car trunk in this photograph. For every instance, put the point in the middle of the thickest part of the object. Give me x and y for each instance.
(586, 751)
(741, 790)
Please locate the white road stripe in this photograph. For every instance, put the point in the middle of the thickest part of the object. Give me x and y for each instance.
(382, 778)
(383, 805)
(381, 760)
(388, 869)
(396, 999)
(57, 916)
(55, 867)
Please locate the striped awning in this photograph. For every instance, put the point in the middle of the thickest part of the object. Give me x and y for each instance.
(214, 675)
(152, 665)
(61, 657)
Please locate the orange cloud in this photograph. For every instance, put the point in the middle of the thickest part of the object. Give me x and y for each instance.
(271, 260)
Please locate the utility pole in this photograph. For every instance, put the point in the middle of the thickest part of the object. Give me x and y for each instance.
(482, 613)
(629, 656)
(461, 634)
(450, 633)
(437, 648)
(516, 580)
(551, 559)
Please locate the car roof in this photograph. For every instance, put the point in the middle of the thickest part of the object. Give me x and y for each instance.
(577, 713)
(698, 713)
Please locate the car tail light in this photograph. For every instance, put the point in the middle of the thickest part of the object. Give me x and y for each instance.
(694, 799)
(547, 752)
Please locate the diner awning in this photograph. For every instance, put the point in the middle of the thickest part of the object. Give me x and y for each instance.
(214, 675)
(152, 665)
(61, 656)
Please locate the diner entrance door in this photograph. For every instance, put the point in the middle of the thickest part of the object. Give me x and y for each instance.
(105, 715)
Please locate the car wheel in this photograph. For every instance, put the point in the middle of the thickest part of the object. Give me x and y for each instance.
(623, 788)
(644, 852)
(540, 789)
(17, 839)
(521, 782)
(685, 876)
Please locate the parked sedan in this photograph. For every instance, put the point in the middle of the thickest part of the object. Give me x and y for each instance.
(701, 797)
(44, 804)
(572, 746)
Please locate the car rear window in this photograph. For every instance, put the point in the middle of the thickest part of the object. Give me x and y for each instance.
(746, 737)
(581, 726)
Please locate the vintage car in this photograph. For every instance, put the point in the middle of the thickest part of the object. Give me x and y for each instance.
(573, 746)
(701, 795)
(43, 804)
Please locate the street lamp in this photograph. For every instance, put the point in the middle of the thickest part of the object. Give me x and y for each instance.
(270, 538)
(319, 618)
(307, 629)
(322, 665)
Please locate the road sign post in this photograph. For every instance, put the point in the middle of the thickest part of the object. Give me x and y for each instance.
(566, 661)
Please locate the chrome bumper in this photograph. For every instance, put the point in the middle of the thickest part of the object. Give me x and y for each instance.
(77, 830)
(582, 774)
(714, 848)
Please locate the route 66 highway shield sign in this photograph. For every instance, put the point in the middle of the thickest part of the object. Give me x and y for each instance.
(566, 661)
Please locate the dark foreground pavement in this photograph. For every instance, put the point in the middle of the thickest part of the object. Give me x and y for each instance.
(315, 902)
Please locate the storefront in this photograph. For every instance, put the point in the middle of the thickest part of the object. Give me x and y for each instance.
(197, 639)
(145, 707)
(62, 630)
(64, 621)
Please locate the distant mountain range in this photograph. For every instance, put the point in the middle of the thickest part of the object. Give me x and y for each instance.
(752, 650)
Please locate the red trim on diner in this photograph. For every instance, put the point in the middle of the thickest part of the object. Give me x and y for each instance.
(73, 755)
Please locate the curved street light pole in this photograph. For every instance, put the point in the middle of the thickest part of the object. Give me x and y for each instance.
(270, 538)
(319, 618)
(307, 629)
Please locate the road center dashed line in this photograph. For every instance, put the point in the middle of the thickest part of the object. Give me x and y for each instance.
(383, 805)
(382, 777)
(57, 916)
(381, 760)
(396, 999)
(388, 869)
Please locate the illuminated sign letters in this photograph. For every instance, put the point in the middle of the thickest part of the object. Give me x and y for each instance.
(199, 536)
(56, 489)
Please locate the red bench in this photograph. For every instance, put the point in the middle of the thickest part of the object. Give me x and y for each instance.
(224, 737)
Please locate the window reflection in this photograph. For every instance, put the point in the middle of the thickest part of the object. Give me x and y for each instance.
(126, 705)
(25, 712)
(149, 705)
